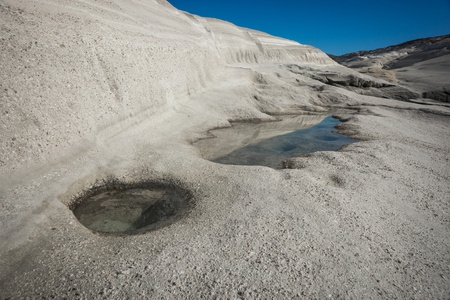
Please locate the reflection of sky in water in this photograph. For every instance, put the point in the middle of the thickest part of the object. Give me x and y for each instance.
(271, 152)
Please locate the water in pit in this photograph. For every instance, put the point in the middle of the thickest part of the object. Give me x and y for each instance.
(269, 143)
(132, 210)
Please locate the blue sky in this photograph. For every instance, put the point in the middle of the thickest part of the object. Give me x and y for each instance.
(334, 26)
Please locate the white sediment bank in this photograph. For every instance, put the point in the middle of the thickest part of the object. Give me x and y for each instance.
(100, 91)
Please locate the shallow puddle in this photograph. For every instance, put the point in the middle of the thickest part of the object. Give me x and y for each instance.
(132, 210)
(269, 143)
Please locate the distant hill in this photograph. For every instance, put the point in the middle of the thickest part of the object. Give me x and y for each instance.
(422, 65)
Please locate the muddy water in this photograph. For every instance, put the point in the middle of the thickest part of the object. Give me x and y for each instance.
(128, 211)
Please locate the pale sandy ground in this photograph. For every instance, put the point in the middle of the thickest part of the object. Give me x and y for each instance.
(133, 86)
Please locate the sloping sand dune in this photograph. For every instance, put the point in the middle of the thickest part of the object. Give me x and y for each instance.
(99, 91)
(72, 67)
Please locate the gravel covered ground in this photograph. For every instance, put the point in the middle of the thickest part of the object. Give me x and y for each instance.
(369, 221)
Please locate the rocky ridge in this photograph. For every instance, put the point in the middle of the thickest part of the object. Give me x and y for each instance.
(420, 65)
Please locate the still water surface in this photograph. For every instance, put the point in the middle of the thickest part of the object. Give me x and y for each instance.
(132, 210)
(269, 143)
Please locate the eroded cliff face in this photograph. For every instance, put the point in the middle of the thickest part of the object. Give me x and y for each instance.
(72, 68)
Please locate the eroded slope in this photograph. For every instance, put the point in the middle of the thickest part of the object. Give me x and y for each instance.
(421, 65)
